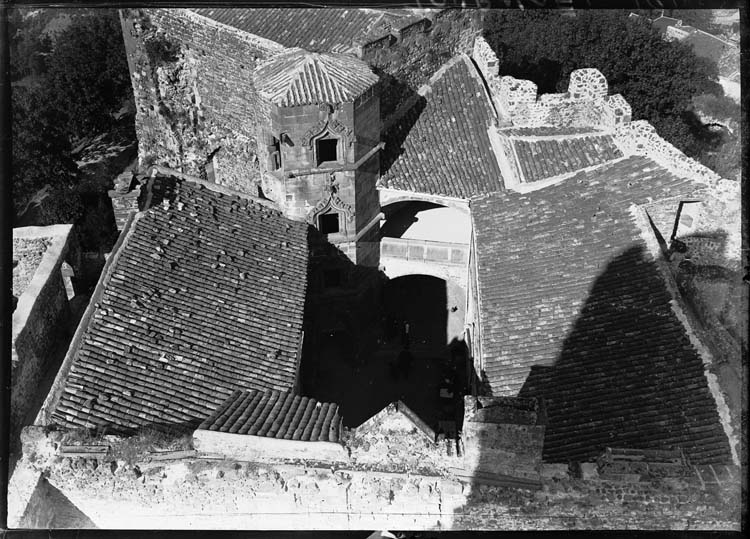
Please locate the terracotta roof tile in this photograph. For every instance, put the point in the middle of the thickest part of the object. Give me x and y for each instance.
(441, 147)
(575, 310)
(297, 77)
(205, 296)
(317, 30)
(547, 131)
(276, 414)
(545, 158)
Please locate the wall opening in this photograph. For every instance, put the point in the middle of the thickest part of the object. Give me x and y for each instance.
(274, 152)
(329, 223)
(326, 150)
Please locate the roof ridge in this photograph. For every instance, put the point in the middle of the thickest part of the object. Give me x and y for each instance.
(325, 62)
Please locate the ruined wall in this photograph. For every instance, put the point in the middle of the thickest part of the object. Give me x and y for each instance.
(199, 492)
(194, 94)
(502, 439)
(389, 441)
(641, 138)
(585, 104)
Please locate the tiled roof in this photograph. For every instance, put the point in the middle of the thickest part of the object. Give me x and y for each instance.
(575, 310)
(545, 158)
(441, 146)
(547, 131)
(297, 77)
(205, 296)
(276, 414)
(317, 30)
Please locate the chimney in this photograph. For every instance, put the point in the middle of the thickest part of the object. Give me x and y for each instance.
(124, 197)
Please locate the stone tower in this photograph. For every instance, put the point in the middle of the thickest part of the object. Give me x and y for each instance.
(322, 144)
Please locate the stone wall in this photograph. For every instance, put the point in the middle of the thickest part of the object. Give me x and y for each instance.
(390, 441)
(585, 104)
(259, 448)
(502, 436)
(194, 93)
(189, 492)
(409, 61)
(641, 138)
(40, 321)
(396, 267)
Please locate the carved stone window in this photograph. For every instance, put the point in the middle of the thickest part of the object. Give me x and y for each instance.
(326, 150)
(329, 222)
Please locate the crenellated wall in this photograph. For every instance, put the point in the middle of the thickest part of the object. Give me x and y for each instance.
(585, 104)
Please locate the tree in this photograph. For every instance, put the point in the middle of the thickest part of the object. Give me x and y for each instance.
(82, 78)
(27, 42)
(41, 155)
(658, 78)
(87, 75)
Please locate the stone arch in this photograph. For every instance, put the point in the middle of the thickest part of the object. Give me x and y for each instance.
(388, 197)
(426, 220)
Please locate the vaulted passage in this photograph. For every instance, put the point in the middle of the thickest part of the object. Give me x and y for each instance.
(416, 220)
(424, 238)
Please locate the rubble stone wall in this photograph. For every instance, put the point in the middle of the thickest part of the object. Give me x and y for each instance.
(585, 104)
(194, 93)
(641, 138)
(195, 492)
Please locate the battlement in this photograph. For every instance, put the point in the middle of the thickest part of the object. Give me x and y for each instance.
(518, 103)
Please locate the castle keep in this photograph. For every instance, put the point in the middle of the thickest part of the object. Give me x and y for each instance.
(443, 303)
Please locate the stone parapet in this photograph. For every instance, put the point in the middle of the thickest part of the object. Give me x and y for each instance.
(641, 138)
(585, 104)
(190, 491)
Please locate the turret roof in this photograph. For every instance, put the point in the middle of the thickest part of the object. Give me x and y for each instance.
(298, 77)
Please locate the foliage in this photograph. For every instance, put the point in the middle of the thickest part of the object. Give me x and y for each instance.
(40, 150)
(719, 107)
(28, 43)
(658, 78)
(87, 74)
(76, 75)
(726, 159)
